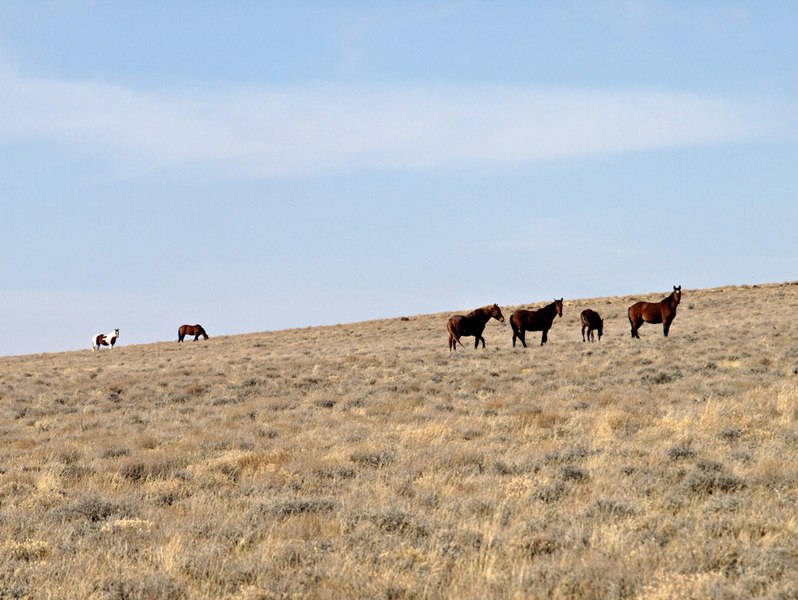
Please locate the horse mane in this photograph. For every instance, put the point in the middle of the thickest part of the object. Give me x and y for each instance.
(482, 310)
(551, 306)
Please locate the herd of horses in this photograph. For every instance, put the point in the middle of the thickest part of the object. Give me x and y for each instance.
(522, 320)
(109, 339)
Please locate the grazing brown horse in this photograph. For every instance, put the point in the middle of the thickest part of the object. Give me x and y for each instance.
(655, 312)
(195, 330)
(524, 320)
(472, 324)
(591, 320)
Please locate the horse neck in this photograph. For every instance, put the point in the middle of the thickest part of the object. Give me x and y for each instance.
(672, 301)
(550, 310)
(481, 314)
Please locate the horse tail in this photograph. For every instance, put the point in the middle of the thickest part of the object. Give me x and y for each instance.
(633, 316)
(513, 324)
(453, 338)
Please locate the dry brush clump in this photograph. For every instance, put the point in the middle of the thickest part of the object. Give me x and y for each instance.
(368, 461)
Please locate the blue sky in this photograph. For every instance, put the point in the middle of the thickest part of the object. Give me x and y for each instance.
(262, 165)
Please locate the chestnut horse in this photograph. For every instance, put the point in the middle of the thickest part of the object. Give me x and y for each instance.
(195, 330)
(591, 320)
(524, 320)
(472, 324)
(104, 339)
(655, 312)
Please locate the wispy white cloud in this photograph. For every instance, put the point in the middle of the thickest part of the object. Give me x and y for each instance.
(322, 129)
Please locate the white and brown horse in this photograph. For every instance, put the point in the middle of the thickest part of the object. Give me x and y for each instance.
(104, 339)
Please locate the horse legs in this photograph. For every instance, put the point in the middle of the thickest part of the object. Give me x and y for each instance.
(544, 337)
(635, 326)
(453, 341)
(666, 326)
(521, 334)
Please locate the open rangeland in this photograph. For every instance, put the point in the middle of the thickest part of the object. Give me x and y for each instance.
(369, 461)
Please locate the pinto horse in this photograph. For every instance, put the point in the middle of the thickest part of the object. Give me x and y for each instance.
(195, 330)
(104, 339)
(472, 324)
(524, 320)
(655, 312)
(591, 320)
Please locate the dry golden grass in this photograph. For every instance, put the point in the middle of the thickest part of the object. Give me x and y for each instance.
(367, 461)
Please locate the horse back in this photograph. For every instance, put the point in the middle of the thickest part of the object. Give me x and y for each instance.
(519, 318)
(590, 318)
(650, 312)
(453, 325)
(532, 320)
(466, 325)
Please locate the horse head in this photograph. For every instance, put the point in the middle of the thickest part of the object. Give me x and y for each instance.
(496, 313)
(558, 306)
(677, 293)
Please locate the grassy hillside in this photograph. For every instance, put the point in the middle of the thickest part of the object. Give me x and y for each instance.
(368, 461)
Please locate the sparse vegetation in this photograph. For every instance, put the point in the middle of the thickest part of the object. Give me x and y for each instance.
(368, 461)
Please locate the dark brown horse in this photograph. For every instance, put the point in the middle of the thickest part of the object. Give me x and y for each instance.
(195, 330)
(591, 320)
(524, 320)
(472, 324)
(655, 312)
